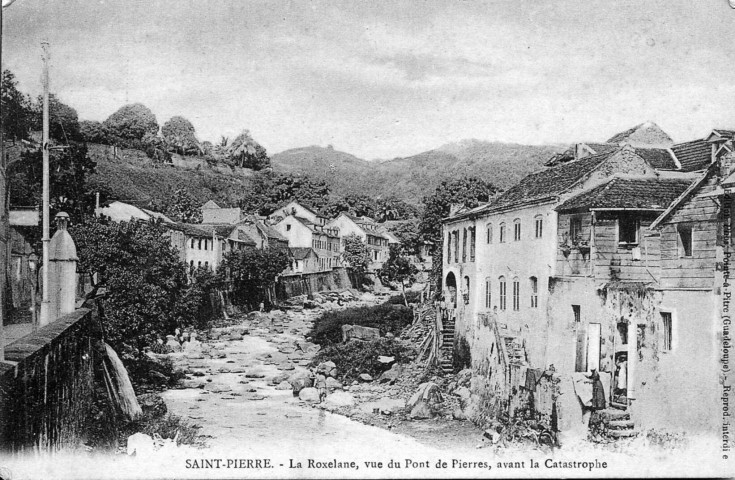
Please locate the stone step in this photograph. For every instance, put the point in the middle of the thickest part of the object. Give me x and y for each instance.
(622, 433)
(620, 424)
(619, 406)
(615, 414)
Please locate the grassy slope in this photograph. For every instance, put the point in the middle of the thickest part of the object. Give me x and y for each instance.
(133, 177)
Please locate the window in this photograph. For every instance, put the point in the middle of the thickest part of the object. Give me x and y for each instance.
(534, 292)
(464, 245)
(456, 246)
(488, 293)
(489, 234)
(516, 294)
(516, 230)
(466, 290)
(472, 244)
(288, 227)
(539, 221)
(199, 247)
(685, 241)
(575, 228)
(577, 311)
(503, 290)
(502, 233)
(667, 331)
(628, 229)
(192, 243)
(206, 265)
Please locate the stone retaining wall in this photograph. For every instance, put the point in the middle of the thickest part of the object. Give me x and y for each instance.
(46, 385)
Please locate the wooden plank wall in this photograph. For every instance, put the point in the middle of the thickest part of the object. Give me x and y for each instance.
(697, 271)
(612, 261)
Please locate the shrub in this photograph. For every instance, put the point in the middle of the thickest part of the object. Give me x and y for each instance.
(355, 357)
(327, 329)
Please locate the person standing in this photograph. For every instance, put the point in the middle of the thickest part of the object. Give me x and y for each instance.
(598, 392)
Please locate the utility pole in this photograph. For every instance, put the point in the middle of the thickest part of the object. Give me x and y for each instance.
(4, 221)
(44, 317)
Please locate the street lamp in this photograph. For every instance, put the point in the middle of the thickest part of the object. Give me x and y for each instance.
(33, 266)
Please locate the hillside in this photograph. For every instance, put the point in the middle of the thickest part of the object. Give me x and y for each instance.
(132, 177)
(413, 177)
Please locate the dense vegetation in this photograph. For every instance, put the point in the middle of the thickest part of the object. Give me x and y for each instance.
(387, 318)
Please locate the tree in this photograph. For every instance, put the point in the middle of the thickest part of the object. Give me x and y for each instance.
(253, 273)
(92, 131)
(17, 111)
(183, 207)
(468, 191)
(145, 280)
(132, 122)
(407, 232)
(180, 134)
(270, 190)
(70, 190)
(398, 268)
(63, 119)
(246, 152)
(356, 253)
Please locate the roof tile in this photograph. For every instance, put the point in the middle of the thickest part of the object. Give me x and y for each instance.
(629, 193)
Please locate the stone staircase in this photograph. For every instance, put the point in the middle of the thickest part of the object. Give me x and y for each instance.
(447, 346)
(618, 423)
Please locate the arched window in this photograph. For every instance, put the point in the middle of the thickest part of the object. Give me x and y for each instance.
(489, 233)
(449, 247)
(464, 245)
(516, 229)
(488, 293)
(192, 243)
(516, 294)
(501, 233)
(539, 224)
(199, 246)
(472, 244)
(206, 265)
(466, 290)
(503, 290)
(191, 265)
(534, 292)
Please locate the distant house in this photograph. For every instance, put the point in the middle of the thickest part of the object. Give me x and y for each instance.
(126, 212)
(369, 231)
(213, 213)
(305, 260)
(298, 210)
(302, 233)
(201, 245)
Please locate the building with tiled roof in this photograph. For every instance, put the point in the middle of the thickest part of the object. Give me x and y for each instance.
(303, 233)
(204, 245)
(298, 209)
(369, 232)
(628, 193)
(500, 258)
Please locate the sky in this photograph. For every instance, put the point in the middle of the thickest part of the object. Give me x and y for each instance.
(382, 79)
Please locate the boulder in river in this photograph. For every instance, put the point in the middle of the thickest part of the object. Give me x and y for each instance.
(309, 394)
(333, 384)
(284, 386)
(365, 377)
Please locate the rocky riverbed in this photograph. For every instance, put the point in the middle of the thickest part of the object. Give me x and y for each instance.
(241, 377)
